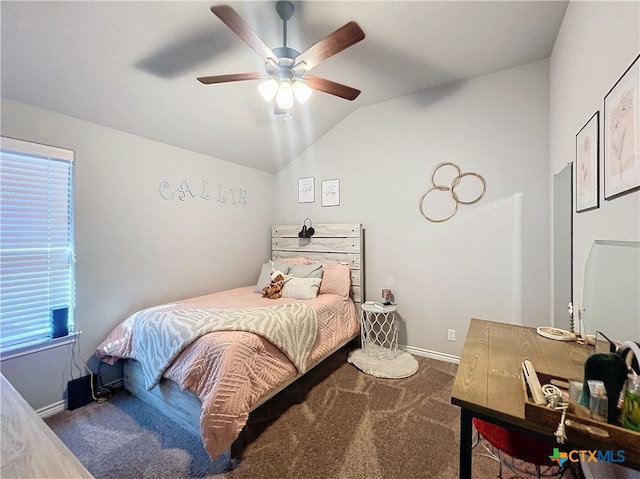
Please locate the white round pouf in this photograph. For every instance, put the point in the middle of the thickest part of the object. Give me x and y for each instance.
(402, 366)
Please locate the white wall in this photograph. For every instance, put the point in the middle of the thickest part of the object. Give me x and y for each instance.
(135, 249)
(597, 42)
(491, 260)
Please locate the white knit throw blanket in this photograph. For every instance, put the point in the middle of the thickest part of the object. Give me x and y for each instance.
(160, 336)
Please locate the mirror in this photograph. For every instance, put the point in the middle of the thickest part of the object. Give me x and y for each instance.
(562, 247)
(612, 290)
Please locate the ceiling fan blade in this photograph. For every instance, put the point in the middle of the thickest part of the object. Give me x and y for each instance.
(337, 41)
(231, 19)
(331, 87)
(231, 77)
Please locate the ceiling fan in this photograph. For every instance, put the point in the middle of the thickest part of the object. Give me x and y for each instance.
(286, 69)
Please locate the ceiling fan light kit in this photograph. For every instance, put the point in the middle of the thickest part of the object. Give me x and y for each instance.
(268, 89)
(301, 91)
(285, 77)
(284, 97)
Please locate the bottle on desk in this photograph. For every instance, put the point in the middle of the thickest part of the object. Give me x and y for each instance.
(598, 401)
(631, 407)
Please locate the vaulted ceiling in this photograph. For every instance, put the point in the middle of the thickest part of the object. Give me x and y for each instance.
(133, 65)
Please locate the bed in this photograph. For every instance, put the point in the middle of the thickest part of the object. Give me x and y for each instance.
(207, 362)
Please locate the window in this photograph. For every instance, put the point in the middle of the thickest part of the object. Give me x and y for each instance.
(36, 244)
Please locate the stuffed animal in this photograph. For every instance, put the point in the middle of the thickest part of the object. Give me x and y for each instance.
(274, 290)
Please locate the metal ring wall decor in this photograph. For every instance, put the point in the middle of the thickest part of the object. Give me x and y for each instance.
(451, 189)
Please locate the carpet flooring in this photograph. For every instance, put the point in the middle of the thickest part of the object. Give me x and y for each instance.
(335, 422)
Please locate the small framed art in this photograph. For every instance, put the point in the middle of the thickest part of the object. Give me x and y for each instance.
(306, 190)
(586, 166)
(331, 193)
(622, 134)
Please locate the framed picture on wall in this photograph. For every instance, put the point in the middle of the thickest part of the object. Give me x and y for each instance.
(586, 165)
(306, 190)
(331, 193)
(622, 134)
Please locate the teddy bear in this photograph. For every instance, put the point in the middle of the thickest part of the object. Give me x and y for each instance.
(274, 290)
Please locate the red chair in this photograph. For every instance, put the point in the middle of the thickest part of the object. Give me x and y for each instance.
(521, 447)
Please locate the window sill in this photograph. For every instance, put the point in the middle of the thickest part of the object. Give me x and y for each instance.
(42, 345)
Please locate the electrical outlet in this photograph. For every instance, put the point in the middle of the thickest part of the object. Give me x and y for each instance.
(451, 334)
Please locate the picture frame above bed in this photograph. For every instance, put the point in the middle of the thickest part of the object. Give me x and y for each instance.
(306, 190)
(331, 193)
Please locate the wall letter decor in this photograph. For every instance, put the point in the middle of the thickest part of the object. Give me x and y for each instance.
(167, 195)
(184, 189)
(184, 192)
(205, 195)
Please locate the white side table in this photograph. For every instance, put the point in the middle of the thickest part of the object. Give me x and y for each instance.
(379, 332)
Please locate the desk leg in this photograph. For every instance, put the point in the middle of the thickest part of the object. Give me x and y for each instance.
(465, 443)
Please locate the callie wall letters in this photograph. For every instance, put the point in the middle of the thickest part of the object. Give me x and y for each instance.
(184, 191)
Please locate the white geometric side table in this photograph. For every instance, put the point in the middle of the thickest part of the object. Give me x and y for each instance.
(379, 355)
(379, 332)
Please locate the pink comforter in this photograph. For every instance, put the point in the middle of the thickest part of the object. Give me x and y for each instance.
(230, 371)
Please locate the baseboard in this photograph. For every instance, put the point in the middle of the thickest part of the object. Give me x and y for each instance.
(431, 354)
(60, 406)
(51, 409)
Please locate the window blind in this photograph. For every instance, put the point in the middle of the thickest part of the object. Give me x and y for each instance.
(36, 241)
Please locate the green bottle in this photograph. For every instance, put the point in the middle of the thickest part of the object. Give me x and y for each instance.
(631, 408)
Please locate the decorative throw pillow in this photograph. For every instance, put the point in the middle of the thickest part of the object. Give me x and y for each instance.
(336, 279)
(265, 273)
(313, 270)
(300, 288)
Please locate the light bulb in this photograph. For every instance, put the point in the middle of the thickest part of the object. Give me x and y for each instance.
(268, 89)
(302, 91)
(284, 97)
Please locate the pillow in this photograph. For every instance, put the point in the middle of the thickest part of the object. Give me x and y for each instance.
(336, 279)
(300, 288)
(265, 273)
(313, 270)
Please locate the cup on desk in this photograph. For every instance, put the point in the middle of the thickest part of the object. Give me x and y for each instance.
(575, 390)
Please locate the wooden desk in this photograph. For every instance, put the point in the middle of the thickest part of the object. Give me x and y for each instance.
(488, 384)
(29, 447)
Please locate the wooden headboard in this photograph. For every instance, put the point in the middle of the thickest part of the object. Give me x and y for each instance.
(343, 242)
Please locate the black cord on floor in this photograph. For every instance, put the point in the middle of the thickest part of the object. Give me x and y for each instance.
(105, 393)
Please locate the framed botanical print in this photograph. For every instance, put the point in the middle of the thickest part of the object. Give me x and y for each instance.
(586, 165)
(622, 134)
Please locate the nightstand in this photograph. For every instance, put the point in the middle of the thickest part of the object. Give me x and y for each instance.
(379, 332)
